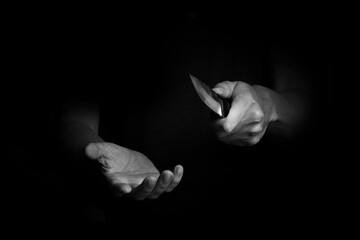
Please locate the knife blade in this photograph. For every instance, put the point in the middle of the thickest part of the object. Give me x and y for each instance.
(216, 103)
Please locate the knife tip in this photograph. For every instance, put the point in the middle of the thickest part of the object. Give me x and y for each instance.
(192, 77)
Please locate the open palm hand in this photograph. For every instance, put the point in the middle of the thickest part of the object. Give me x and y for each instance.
(131, 172)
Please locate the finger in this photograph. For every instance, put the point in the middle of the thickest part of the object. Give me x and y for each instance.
(236, 114)
(258, 136)
(162, 183)
(123, 188)
(178, 173)
(93, 151)
(120, 189)
(242, 102)
(145, 188)
(250, 135)
(224, 89)
(241, 131)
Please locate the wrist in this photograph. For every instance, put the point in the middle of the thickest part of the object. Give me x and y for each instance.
(287, 110)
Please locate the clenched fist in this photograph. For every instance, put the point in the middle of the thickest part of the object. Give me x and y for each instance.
(252, 109)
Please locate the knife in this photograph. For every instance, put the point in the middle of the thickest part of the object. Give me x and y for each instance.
(217, 104)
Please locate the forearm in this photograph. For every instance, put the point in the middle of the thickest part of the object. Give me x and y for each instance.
(288, 111)
(291, 92)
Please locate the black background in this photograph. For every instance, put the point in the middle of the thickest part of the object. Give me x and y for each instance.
(136, 62)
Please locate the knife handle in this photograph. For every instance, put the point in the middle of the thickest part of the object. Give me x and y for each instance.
(225, 105)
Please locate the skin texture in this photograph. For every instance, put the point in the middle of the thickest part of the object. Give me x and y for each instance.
(251, 111)
(131, 172)
(255, 110)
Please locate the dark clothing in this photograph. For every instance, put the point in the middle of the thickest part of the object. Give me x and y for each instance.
(139, 72)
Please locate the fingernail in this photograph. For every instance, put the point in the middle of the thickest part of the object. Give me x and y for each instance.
(166, 177)
(218, 90)
(179, 169)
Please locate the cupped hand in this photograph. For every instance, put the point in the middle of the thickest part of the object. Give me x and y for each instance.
(131, 173)
(250, 113)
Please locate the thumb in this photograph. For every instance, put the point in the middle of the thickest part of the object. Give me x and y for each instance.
(224, 89)
(93, 151)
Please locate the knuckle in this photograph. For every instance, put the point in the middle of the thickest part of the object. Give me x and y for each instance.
(161, 187)
(228, 127)
(258, 114)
